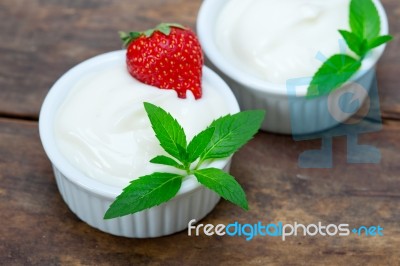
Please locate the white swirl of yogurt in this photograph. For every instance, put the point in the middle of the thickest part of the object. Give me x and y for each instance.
(278, 40)
(103, 129)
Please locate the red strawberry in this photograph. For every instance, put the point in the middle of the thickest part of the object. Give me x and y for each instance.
(168, 57)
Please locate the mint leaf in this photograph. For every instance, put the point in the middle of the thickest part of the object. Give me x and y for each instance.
(165, 160)
(354, 42)
(364, 19)
(365, 24)
(332, 74)
(168, 131)
(199, 143)
(231, 133)
(223, 184)
(183, 155)
(375, 42)
(222, 138)
(146, 192)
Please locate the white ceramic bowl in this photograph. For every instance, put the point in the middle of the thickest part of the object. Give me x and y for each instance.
(282, 111)
(89, 199)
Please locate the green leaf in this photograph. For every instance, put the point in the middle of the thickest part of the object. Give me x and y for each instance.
(168, 131)
(129, 37)
(332, 74)
(165, 160)
(164, 28)
(232, 132)
(183, 154)
(353, 42)
(146, 192)
(223, 137)
(364, 19)
(365, 25)
(223, 184)
(375, 42)
(199, 143)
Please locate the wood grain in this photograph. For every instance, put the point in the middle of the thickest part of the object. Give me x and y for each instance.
(388, 67)
(37, 228)
(41, 39)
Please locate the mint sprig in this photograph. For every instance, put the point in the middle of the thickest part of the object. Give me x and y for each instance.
(221, 139)
(365, 25)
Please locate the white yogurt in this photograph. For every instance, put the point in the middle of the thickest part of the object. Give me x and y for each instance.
(278, 40)
(103, 129)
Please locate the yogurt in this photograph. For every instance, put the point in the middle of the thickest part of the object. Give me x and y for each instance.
(279, 40)
(103, 129)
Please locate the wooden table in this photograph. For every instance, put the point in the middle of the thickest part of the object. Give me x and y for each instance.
(41, 39)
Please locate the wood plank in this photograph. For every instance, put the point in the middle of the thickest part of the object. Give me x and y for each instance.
(41, 39)
(389, 65)
(38, 228)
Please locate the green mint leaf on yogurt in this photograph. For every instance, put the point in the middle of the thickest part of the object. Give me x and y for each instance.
(220, 139)
(224, 184)
(357, 45)
(378, 41)
(145, 192)
(231, 133)
(168, 131)
(365, 25)
(332, 74)
(198, 144)
(364, 19)
(165, 160)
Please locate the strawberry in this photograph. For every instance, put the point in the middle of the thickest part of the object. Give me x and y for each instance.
(168, 57)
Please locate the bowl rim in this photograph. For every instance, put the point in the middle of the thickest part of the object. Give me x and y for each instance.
(54, 98)
(205, 26)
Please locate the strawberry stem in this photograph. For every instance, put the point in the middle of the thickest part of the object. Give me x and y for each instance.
(164, 28)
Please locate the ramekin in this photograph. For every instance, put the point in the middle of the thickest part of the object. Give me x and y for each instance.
(89, 199)
(285, 104)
